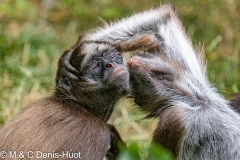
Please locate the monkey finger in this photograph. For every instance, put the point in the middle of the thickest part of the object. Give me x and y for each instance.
(68, 66)
(130, 62)
(66, 61)
(66, 73)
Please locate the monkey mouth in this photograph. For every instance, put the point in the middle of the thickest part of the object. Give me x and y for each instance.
(120, 78)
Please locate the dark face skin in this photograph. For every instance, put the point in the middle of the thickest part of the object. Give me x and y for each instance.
(108, 70)
(95, 84)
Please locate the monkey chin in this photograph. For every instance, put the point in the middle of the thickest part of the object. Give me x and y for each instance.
(120, 79)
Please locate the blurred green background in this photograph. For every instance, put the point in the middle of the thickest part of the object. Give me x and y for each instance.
(34, 34)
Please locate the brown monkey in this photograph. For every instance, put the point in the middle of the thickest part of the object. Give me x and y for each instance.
(72, 122)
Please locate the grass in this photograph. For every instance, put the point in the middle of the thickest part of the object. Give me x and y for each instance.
(33, 35)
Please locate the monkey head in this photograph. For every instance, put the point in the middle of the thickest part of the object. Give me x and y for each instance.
(93, 74)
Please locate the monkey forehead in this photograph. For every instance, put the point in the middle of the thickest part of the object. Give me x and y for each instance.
(94, 49)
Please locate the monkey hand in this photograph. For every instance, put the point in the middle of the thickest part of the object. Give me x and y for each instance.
(115, 140)
(66, 72)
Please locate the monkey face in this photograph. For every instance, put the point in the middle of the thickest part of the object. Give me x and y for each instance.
(107, 69)
(151, 80)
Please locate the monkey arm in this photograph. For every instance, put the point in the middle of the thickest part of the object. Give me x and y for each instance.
(141, 30)
(135, 31)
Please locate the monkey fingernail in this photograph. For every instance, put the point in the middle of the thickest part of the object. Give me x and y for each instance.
(131, 62)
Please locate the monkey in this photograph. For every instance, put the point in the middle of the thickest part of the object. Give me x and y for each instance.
(169, 82)
(73, 120)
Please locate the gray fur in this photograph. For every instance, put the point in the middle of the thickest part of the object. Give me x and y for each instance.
(169, 82)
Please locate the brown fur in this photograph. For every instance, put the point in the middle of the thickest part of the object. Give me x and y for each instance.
(142, 42)
(51, 125)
